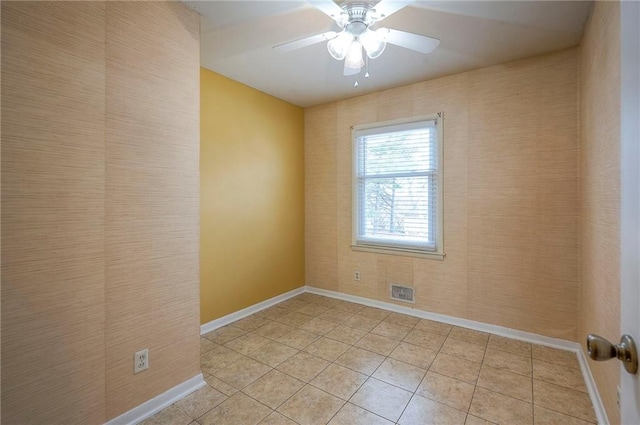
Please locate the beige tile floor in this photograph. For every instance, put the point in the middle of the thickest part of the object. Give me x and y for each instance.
(317, 360)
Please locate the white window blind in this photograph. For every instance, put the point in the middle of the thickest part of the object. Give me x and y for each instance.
(397, 187)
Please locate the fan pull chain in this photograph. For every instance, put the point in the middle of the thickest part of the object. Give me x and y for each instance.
(366, 74)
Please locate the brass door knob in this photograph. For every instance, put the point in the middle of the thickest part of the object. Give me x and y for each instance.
(600, 349)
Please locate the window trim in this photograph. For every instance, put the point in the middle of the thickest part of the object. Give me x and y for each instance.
(438, 253)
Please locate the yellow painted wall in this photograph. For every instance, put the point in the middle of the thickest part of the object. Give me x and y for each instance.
(251, 196)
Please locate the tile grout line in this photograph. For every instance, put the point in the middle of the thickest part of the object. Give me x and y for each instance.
(386, 357)
(533, 399)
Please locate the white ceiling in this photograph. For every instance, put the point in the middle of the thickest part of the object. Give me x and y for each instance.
(238, 36)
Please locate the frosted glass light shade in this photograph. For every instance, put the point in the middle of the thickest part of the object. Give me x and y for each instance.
(354, 56)
(338, 47)
(373, 42)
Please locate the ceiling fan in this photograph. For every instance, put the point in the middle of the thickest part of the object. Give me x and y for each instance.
(355, 19)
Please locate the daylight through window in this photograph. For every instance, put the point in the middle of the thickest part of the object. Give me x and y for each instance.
(397, 186)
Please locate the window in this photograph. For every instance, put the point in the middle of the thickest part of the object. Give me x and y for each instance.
(397, 187)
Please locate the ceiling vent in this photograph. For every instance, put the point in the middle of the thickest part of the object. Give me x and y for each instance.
(402, 293)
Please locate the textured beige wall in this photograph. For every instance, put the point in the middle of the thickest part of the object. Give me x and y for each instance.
(99, 206)
(320, 235)
(53, 124)
(152, 198)
(510, 196)
(600, 190)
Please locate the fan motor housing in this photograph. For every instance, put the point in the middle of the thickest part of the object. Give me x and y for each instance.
(357, 12)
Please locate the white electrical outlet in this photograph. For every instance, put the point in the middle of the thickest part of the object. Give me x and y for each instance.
(141, 361)
(356, 276)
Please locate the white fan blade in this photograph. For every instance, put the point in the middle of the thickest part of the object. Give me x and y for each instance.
(304, 42)
(350, 71)
(385, 8)
(328, 7)
(419, 43)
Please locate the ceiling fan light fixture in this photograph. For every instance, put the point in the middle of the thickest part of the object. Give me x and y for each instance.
(354, 57)
(338, 47)
(373, 42)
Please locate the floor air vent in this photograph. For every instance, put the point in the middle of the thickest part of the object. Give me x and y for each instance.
(402, 293)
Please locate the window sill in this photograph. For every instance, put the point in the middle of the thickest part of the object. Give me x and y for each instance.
(399, 251)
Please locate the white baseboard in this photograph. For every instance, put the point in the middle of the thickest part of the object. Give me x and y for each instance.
(471, 324)
(561, 344)
(156, 404)
(150, 407)
(223, 321)
(598, 406)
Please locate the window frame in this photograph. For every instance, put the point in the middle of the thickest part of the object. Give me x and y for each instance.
(381, 248)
